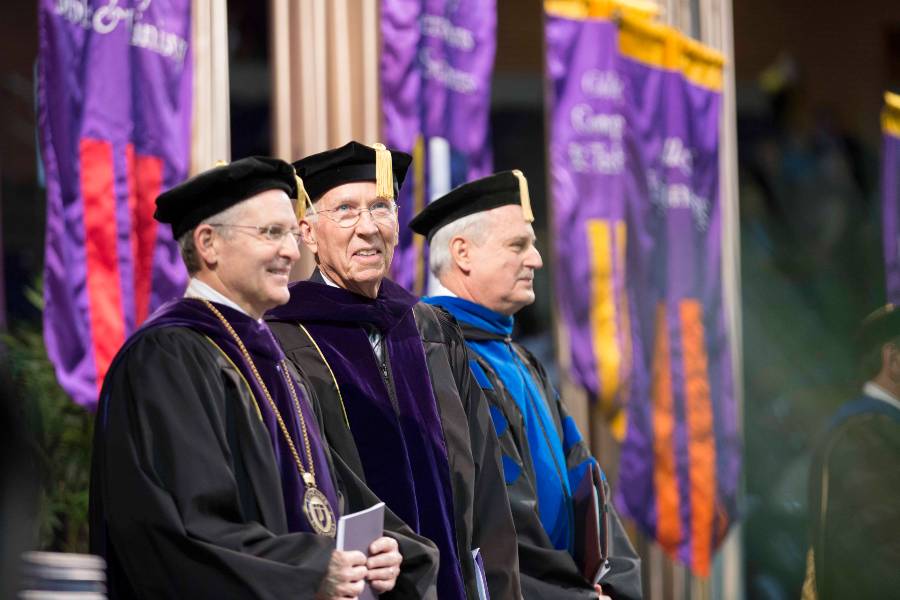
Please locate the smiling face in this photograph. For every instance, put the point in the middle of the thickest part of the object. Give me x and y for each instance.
(240, 263)
(356, 258)
(501, 268)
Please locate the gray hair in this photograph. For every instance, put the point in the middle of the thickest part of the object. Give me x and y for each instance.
(189, 255)
(473, 227)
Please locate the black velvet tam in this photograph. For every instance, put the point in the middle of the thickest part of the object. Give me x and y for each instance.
(210, 192)
(347, 164)
(467, 199)
(881, 326)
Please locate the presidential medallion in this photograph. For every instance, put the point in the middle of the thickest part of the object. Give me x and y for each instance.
(318, 512)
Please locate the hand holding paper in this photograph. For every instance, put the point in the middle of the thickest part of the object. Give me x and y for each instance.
(383, 564)
(362, 531)
(345, 577)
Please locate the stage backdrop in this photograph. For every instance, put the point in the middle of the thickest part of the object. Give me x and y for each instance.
(635, 112)
(890, 192)
(436, 63)
(114, 112)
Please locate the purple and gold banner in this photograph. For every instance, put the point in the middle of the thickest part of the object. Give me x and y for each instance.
(588, 185)
(681, 456)
(637, 215)
(436, 65)
(114, 113)
(890, 193)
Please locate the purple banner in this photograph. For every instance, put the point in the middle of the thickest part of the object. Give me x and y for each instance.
(681, 455)
(890, 193)
(436, 65)
(635, 160)
(588, 163)
(114, 113)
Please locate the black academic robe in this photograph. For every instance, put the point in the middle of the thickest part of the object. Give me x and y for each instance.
(854, 507)
(548, 573)
(186, 498)
(480, 507)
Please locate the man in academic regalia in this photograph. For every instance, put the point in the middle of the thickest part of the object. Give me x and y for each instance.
(854, 485)
(210, 476)
(399, 402)
(482, 251)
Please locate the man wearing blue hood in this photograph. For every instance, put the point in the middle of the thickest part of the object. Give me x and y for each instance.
(482, 250)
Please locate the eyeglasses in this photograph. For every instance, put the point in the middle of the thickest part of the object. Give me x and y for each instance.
(346, 215)
(270, 233)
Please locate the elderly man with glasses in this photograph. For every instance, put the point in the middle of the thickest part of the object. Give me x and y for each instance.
(210, 476)
(399, 403)
(482, 251)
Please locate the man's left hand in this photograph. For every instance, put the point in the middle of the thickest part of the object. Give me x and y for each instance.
(599, 591)
(383, 564)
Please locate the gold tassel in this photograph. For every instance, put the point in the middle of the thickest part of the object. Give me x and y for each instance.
(302, 197)
(384, 172)
(221, 163)
(523, 196)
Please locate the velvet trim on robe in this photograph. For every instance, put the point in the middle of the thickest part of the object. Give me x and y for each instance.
(391, 408)
(267, 356)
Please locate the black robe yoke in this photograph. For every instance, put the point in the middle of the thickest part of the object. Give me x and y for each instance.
(854, 508)
(186, 497)
(481, 512)
(548, 573)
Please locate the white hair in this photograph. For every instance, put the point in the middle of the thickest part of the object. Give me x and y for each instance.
(474, 227)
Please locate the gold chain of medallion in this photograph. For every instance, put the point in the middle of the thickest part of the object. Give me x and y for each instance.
(309, 477)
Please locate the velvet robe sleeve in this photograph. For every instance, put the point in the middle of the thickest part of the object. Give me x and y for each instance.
(493, 528)
(857, 528)
(418, 572)
(185, 497)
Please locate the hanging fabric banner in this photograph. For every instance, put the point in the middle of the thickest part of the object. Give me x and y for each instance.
(890, 193)
(680, 460)
(587, 171)
(436, 64)
(114, 113)
(634, 142)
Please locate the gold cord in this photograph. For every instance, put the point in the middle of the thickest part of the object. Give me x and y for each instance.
(384, 172)
(524, 197)
(330, 372)
(309, 477)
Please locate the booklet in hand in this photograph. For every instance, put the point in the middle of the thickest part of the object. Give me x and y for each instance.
(591, 525)
(358, 531)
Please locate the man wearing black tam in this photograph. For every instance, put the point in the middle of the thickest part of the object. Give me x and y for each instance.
(403, 410)
(210, 477)
(854, 484)
(482, 251)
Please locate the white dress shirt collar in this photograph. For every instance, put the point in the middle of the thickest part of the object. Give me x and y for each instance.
(203, 291)
(879, 393)
(439, 290)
